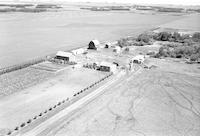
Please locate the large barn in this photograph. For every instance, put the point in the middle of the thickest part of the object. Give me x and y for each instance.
(93, 44)
(66, 56)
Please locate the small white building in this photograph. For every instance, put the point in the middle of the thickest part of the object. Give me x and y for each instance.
(78, 51)
(117, 49)
(108, 67)
(138, 59)
(66, 56)
(108, 45)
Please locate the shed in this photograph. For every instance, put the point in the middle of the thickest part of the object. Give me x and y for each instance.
(138, 59)
(108, 67)
(78, 51)
(108, 45)
(66, 56)
(117, 49)
(93, 44)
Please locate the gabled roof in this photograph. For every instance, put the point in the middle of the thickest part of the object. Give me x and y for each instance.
(96, 42)
(107, 64)
(139, 57)
(63, 54)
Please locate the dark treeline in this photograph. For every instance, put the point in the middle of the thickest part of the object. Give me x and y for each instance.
(175, 45)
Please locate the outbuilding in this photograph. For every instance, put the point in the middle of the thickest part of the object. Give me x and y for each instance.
(108, 45)
(78, 51)
(117, 49)
(108, 67)
(138, 59)
(93, 44)
(66, 56)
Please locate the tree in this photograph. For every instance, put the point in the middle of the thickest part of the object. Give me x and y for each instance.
(196, 37)
(176, 36)
(194, 57)
(144, 38)
(164, 36)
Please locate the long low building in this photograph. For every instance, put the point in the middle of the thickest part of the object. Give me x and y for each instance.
(66, 56)
(108, 67)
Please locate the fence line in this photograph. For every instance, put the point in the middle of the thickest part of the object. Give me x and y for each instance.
(24, 124)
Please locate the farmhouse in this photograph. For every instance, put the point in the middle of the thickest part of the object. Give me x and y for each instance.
(108, 67)
(93, 44)
(138, 59)
(78, 51)
(66, 56)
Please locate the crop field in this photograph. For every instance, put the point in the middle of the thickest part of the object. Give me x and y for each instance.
(162, 101)
(24, 105)
(18, 80)
(189, 23)
(49, 66)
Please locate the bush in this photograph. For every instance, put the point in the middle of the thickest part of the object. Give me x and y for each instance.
(194, 57)
(164, 36)
(23, 124)
(40, 114)
(17, 128)
(144, 38)
(9, 133)
(196, 37)
(29, 121)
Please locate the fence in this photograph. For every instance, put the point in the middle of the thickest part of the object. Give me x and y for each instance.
(29, 121)
(22, 65)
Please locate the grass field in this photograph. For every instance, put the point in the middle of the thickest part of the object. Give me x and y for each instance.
(163, 101)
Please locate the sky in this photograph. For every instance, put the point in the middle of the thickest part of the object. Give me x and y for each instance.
(175, 2)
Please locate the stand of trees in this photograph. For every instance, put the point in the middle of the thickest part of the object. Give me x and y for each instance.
(180, 46)
(177, 46)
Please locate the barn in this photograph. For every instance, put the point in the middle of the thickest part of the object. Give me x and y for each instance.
(108, 67)
(66, 56)
(93, 44)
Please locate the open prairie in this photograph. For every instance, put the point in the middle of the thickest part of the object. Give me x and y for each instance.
(29, 35)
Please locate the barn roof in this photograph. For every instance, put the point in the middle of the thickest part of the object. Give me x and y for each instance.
(96, 42)
(63, 54)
